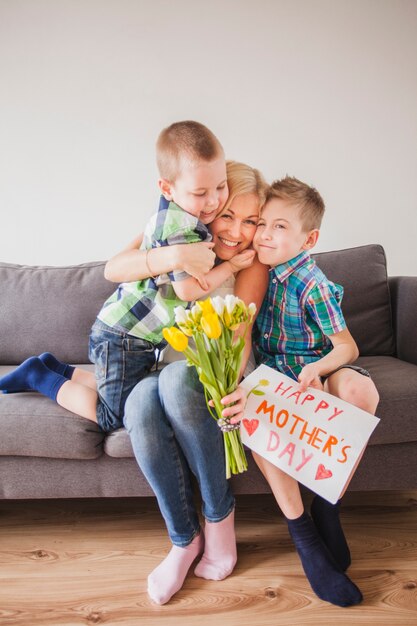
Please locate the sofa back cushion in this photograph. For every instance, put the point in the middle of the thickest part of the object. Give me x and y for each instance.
(362, 271)
(52, 308)
(49, 309)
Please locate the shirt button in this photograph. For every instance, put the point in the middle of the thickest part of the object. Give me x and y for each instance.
(274, 280)
(266, 336)
(270, 308)
(279, 362)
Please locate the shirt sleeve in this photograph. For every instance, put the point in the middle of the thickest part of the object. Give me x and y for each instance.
(323, 304)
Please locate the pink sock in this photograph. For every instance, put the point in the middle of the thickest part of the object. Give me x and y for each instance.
(220, 555)
(169, 576)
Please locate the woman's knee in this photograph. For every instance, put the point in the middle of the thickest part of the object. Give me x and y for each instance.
(142, 404)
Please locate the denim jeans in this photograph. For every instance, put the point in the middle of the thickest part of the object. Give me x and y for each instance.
(173, 437)
(120, 361)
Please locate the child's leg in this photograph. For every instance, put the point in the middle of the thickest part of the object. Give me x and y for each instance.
(33, 375)
(323, 574)
(360, 391)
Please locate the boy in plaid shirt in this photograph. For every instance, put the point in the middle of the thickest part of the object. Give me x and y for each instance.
(128, 329)
(300, 331)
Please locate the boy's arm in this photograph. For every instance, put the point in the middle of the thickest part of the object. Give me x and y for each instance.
(344, 351)
(134, 264)
(190, 289)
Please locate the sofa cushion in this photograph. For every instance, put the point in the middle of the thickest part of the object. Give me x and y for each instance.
(362, 271)
(32, 425)
(49, 309)
(118, 445)
(396, 382)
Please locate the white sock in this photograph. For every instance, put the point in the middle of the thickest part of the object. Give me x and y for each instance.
(220, 554)
(169, 576)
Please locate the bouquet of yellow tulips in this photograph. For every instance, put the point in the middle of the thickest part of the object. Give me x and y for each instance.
(217, 357)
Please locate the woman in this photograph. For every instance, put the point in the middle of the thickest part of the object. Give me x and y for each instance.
(171, 446)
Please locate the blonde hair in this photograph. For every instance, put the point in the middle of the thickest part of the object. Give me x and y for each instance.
(307, 199)
(184, 142)
(241, 179)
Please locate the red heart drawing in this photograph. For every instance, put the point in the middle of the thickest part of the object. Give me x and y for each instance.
(322, 472)
(250, 425)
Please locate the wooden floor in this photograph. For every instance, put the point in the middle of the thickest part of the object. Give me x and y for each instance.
(85, 562)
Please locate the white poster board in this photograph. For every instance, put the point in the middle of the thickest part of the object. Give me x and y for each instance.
(313, 436)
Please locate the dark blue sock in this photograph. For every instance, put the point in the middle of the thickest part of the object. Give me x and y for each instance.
(53, 364)
(33, 375)
(326, 518)
(325, 577)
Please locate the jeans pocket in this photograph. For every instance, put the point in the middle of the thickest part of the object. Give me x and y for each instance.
(134, 344)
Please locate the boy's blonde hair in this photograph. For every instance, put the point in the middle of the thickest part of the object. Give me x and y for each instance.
(184, 142)
(242, 178)
(301, 195)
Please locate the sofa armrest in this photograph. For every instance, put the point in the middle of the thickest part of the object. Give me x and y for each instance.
(404, 312)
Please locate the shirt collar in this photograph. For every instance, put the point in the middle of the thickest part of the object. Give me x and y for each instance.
(284, 270)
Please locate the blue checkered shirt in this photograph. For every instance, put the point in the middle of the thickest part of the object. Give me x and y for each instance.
(300, 310)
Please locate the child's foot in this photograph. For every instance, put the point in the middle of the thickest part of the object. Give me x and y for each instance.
(55, 365)
(52, 364)
(325, 577)
(219, 556)
(326, 518)
(169, 576)
(33, 375)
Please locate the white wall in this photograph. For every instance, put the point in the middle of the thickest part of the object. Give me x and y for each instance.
(322, 89)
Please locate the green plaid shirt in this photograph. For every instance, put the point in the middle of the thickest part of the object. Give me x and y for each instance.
(143, 308)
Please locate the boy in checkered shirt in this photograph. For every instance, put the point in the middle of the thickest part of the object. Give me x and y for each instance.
(128, 329)
(300, 331)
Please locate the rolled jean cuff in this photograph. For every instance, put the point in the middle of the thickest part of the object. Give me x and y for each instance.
(214, 520)
(184, 544)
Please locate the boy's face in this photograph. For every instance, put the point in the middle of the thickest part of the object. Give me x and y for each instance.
(280, 235)
(200, 188)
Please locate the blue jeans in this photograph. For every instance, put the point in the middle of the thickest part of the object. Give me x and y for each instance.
(173, 437)
(119, 361)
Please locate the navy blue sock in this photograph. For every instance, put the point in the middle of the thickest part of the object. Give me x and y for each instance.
(53, 364)
(326, 518)
(325, 577)
(33, 375)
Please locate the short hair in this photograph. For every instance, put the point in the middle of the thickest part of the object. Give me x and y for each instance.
(301, 195)
(241, 179)
(185, 141)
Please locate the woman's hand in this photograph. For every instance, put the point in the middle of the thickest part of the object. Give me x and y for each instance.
(196, 259)
(237, 400)
(242, 260)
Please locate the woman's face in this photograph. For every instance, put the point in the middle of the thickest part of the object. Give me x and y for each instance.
(234, 229)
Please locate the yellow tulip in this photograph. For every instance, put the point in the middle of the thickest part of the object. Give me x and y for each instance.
(206, 306)
(210, 323)
(175, 338)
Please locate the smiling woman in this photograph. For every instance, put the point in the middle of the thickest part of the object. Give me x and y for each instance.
(167, 418)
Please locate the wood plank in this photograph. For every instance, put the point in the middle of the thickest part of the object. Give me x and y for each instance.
(73, 562)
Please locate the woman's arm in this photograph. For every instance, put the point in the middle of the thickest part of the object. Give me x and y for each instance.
(251, 285)
(134, 264)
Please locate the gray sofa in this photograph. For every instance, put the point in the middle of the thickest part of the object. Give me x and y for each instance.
(45, 452)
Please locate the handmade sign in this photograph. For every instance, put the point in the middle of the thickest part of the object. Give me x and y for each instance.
(312, 435)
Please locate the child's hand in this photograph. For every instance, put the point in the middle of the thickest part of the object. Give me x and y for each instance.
(242, 260)
(310, 377)
(234, 412)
